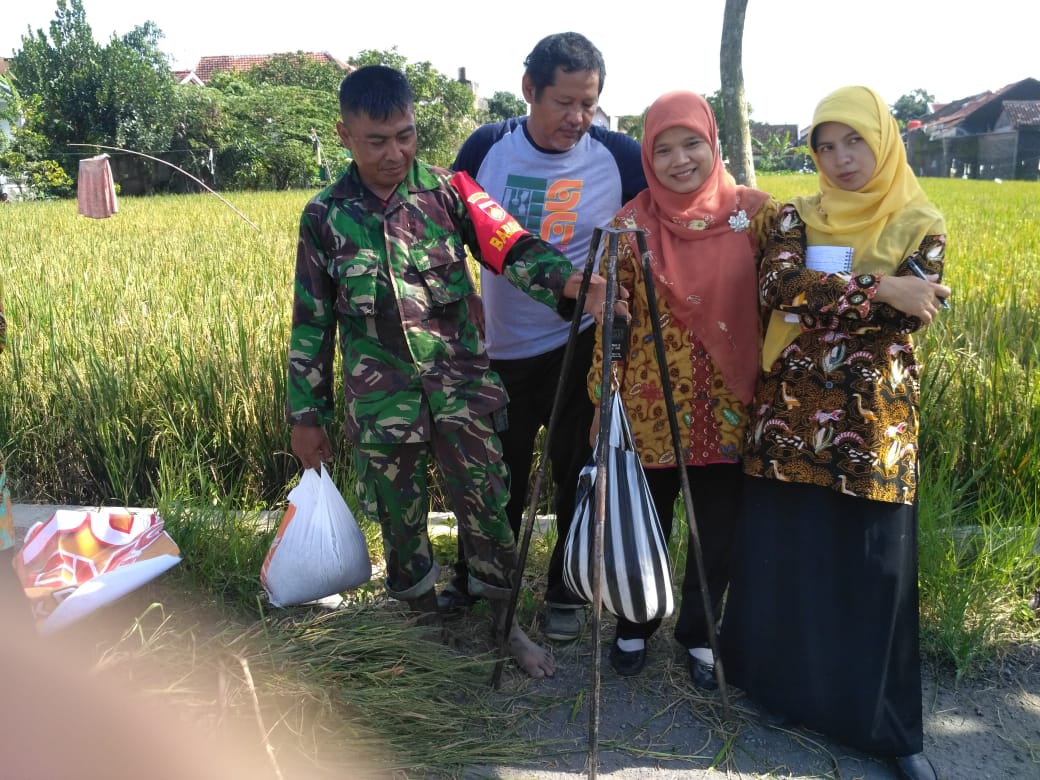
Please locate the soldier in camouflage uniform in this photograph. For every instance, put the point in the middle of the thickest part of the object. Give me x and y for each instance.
(382, 256)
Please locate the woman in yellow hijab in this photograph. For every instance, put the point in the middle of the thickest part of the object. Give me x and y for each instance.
(821, 625)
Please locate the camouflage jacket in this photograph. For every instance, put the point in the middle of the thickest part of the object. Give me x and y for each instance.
(394, 278)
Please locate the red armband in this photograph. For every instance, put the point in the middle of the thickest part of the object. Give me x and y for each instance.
(497, 230)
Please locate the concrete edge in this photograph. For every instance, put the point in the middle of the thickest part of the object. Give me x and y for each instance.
(27, 515)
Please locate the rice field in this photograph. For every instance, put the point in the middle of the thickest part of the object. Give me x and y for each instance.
(146, 367)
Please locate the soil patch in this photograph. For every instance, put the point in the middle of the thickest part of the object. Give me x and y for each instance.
(657, 725)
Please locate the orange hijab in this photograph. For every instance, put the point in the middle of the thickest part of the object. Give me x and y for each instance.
(701, 254)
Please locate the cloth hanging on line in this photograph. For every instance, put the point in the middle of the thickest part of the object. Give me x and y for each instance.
(95, 189)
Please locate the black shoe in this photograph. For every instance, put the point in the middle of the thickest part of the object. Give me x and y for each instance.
(452, 600)
(627, 662)
(702, 674)
(914, 767)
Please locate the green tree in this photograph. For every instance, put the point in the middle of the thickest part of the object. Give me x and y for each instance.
(115, 95)
(23, 155)
(776, 152)
(632, 124)
(912, 106)
(715, 101)
(296, 70)
(268, 140)
(135, 90)
(505, 105)
(445, 109)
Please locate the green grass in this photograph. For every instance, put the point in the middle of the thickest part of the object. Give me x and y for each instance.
(146, 366)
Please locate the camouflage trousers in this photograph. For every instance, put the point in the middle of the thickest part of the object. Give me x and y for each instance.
(392, 488)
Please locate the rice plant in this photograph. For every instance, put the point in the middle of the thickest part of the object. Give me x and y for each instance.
(146, 366)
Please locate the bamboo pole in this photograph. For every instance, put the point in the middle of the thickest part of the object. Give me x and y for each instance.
(195, 179)
(535, 492)
(673, 423)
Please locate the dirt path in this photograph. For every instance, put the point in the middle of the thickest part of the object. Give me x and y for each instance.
(657, 726)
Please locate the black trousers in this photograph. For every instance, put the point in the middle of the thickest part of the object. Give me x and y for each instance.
(715, 490)
(531, 384)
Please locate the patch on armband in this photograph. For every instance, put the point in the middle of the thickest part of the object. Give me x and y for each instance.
(497, 230)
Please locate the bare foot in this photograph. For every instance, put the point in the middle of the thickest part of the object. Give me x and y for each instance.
(533, 659)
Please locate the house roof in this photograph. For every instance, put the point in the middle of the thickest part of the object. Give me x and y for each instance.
(235, 63)
(977, 113)
(762, 132)
(187, 77)
(1023, 113)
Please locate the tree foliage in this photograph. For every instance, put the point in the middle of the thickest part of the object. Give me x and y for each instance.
(632, 124)
(296, 70)
(777, 152)
(505, 105)
(116, 95)
(271, 142)
(912, 106)
(260, 129)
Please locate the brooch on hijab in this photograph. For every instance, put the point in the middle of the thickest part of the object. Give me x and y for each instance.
(739, 222)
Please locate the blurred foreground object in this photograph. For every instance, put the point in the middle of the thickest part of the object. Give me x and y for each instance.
(80, 560)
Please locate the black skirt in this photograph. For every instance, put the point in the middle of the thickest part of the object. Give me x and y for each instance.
(821, 622)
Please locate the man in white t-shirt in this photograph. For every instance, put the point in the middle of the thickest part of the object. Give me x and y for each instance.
(561, 177)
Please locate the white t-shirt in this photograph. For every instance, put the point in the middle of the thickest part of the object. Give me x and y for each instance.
(561, 197)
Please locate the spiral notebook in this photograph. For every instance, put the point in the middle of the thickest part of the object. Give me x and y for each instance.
(828, 260)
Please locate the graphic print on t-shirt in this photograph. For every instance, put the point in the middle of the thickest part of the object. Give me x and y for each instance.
(548, 210)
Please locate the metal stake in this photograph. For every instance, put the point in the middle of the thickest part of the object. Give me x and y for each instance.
(536, 490)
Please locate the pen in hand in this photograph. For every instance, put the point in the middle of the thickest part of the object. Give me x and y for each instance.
(917, 271)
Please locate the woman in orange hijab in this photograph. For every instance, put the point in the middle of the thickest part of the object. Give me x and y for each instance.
(822, 617)
(705, 234)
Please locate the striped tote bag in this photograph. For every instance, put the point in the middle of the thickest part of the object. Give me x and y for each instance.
(637, 581)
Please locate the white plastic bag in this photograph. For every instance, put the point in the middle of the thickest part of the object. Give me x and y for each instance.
(319, 549)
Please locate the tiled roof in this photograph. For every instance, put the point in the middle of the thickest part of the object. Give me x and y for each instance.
(949, 116)
(228, 63)
(954, 112)
(1023, 113)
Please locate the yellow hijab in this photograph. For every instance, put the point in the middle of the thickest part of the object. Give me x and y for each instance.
(884, 222)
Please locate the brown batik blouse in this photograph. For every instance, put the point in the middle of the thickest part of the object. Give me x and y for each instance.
(711, 419)
(839, 407)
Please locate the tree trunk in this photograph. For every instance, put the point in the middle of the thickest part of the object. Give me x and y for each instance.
(736, 146)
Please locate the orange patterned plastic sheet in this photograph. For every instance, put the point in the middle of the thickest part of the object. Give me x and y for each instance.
(80, 560)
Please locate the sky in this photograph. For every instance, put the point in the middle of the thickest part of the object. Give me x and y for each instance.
(793, 53)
